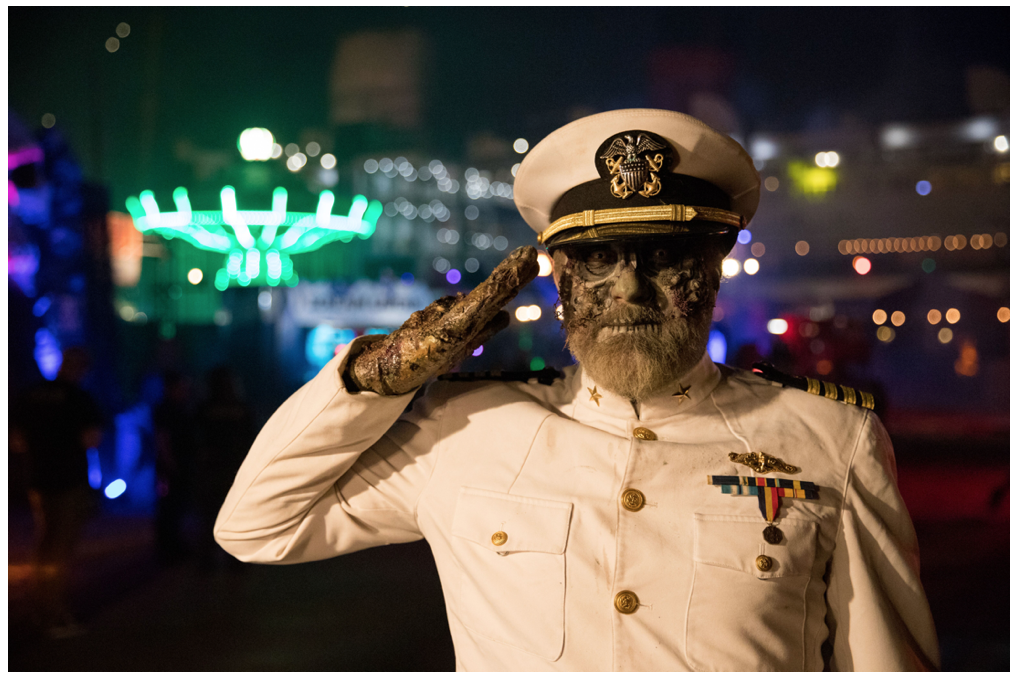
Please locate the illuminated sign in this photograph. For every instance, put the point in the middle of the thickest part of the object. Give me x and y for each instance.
(257, 243)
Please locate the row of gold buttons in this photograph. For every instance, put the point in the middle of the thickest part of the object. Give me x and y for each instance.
(626, 602)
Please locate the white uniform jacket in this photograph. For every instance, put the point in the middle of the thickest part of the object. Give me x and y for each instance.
(546, 465)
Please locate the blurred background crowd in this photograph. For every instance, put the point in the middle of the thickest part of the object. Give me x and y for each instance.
(204, 204)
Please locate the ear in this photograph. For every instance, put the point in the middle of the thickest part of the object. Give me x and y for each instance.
(559, 260)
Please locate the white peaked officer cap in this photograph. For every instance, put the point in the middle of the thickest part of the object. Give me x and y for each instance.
(636, 173)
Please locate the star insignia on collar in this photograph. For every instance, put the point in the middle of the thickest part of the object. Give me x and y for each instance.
(594, 396)
(682, 393)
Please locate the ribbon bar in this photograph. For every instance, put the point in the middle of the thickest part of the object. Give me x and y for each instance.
(761, 482)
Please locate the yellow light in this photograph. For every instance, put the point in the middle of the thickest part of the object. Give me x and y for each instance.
(535, 312)
(952, 316)
(522, 314)
(758, 249)
(802, 247)
(1001, 143)
(879, 316)
(751, 266)
(772, 183)
(898, 318)
(546, 264)
(731, 267)
(810, 180)
(945, 335)
(885, 334)
(127, 312)
(934, 316)
(777, 326)
(1003, 315)
(194, 276)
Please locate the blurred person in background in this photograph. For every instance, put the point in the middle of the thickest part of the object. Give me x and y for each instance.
(54, 425)
(226, 430)
(175, 448)
(647, 509)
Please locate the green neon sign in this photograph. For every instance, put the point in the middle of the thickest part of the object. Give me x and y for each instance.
(257, 243)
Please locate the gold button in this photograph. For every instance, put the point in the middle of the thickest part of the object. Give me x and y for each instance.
(498, 538)
(644, 434)
(632, 499)
(626, 602)
(764, 563)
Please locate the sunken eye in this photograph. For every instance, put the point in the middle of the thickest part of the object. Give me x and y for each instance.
(602, 257)
(661, 257)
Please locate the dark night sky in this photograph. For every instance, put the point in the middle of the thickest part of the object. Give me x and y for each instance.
(205, 74)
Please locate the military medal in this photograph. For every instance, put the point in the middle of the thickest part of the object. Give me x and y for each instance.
(768, 491)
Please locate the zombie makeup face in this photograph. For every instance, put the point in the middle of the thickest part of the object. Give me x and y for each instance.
(637, 313)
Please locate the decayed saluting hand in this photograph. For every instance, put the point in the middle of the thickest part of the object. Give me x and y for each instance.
(435, 339)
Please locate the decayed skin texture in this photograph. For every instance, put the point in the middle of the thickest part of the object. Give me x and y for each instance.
(434, 340)
(638, 328)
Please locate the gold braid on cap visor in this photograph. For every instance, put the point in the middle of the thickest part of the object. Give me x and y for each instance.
(638, 218)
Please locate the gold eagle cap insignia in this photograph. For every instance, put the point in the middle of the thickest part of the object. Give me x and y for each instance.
(633, 165)
(760, 462)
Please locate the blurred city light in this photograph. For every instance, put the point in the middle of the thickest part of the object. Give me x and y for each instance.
(966, 365)
(521, 145)
(802, 247)
(744, 237)
(731, 267)
(292, 149)
(276, 151)
(1003, 314)
(256, 144)
(879, 316)
(952, 316)
(934, 316)
(928, 265)
(453, 276)
(923, 187)
(751, 266)
(764, 148)
(978, 129)
(194, 276)
(771, 183)
(898, 136)
(898, 318)
(1001, 144)
(123, 29)
(810, 180)
(94, 468)
(777, 326)
(115, 488)
(546, 264)
(313, 148)
(528, 313)
(515, 168)
(885, 334)
(717, 346)
(758, 249)
(862, 265)
(478, 351)
(827, 159)
(328, 161)
(112, 45)
(48, 120)
(370, 166)
(945, 335)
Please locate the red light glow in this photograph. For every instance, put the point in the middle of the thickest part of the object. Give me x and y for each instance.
(862, 265)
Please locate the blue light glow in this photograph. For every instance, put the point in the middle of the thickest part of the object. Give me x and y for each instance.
(478, 351)
(717, 346)
(322, 342)
(407, 278)
(41, 306)
(923, 187)
(744, 237)
(47, 353)
(115, 488)
(453, 276)
(94, 469)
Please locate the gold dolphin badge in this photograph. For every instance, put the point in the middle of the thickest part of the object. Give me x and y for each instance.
(760, 462)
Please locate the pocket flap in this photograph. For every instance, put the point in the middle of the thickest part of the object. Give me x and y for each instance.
(525, 523)
(735, 542)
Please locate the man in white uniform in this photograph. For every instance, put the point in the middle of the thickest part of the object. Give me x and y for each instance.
(649, 510)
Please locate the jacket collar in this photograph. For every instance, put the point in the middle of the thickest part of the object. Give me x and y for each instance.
(681, 396)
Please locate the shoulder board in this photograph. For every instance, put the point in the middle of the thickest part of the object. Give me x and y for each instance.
(843, 394)
(544, 376)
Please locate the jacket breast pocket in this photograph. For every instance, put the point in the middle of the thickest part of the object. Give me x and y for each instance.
(743, 616)
(511, 551)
